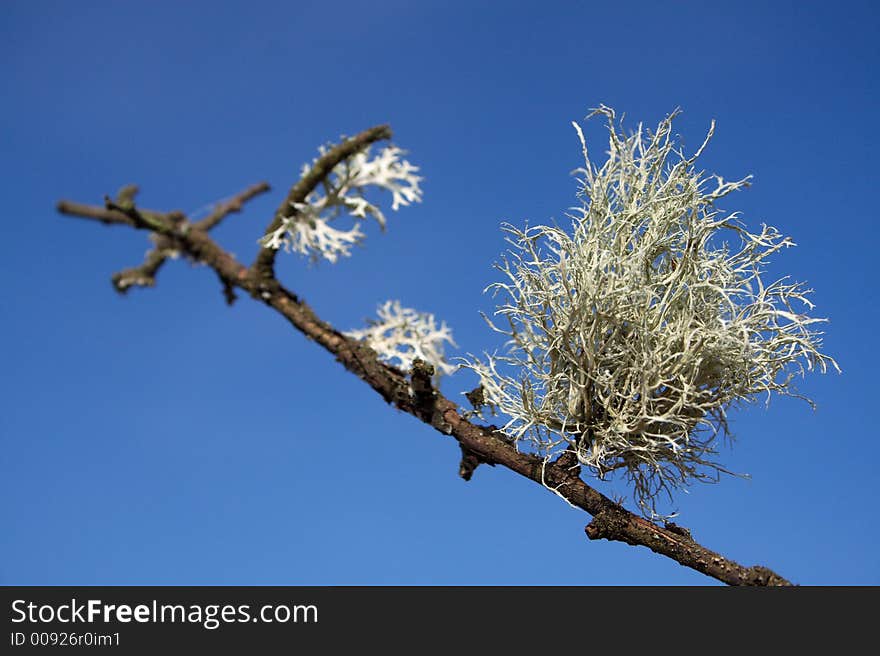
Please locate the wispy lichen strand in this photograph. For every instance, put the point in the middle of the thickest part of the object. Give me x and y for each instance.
(630, 335)
(308, 230)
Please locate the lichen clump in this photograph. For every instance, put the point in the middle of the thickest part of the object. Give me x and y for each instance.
(402, 335)
(632, 333)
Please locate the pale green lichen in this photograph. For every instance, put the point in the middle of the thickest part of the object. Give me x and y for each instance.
(630, 335)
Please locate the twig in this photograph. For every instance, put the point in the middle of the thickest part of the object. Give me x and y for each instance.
(139, 218)
(102, 214)
(143, 275)
(122, 211)
(234, 204)
(263, 267)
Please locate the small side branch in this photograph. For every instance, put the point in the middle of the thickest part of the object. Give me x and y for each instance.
(421, 379)
(229, 294)
(145, 274)
(234, 204)
(102, 214)
(469, 462)
(264, 266)
(169, 232)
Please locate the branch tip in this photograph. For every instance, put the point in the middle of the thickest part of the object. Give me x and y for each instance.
(470, 460)
(234, 204)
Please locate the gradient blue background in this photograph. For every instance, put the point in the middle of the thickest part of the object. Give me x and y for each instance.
(166, 438)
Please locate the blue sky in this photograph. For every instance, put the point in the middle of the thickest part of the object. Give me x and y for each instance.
(164, 438)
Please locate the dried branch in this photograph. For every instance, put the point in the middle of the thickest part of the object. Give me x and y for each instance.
(140, 218)
(417, 397)
(145, 274)
(611, 521)
(234, 204)
(123, 211)
(102, 214)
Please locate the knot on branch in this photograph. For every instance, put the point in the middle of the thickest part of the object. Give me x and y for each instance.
(424, 397)
(608, 524)
(421, 380)
(672, 527)
(469, 463)
(568, 465)
(476, 397)
(126, 195)
(229, 294)
(263, 289)
(470, 460)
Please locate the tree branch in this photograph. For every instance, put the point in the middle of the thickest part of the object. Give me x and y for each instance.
(234, 204)
(263, 267)
(102, 214)
(611, 521)
(145, 274)
(414, 395)
(123, 211)
(142, 218)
